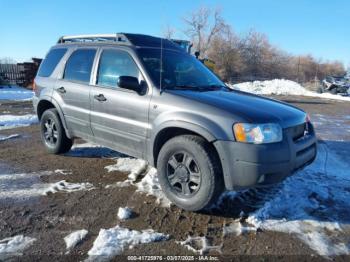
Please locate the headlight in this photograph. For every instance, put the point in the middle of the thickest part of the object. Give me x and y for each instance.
(257, 133)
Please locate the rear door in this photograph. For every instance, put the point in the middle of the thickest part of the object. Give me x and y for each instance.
(74, 90)
(119, 117)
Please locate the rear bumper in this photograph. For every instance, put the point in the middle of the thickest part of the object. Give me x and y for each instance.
(252, 165)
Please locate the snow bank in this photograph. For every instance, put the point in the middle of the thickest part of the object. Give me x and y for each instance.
(124, 213)
(281, 87)
(199, 245)
(112, 242)
(15, 93)
(75, 238)
(14, 246)
(3, 138)
(13, 121)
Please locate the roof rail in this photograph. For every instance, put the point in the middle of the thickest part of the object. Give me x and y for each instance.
(120, 38)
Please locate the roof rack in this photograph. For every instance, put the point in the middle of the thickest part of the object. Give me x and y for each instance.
(136, 40)
(120, 38)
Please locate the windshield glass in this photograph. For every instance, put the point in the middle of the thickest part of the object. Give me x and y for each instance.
(180, 70)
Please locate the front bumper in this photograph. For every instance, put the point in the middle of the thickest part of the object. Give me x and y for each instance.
(251, 165)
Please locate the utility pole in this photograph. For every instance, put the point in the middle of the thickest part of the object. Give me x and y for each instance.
(298, 69)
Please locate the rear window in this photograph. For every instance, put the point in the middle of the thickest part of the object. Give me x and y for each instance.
(50, 62)
(79, 65)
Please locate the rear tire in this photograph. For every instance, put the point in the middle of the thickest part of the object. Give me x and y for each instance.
(189, 172)
(53, 134)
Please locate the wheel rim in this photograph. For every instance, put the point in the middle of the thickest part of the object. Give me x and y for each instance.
(50, 132)
(183, 174)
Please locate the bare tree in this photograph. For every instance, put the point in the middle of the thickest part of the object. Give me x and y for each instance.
(225, 51)
(7, 60)
(169, 32)
(202, 26)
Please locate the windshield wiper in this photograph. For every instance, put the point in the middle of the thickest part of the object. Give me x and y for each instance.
(186, 87)
(213, 87)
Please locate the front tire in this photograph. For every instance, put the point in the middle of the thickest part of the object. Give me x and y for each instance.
(189, 172)
(53, 134)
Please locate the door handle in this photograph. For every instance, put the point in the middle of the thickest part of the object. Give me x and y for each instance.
(62, 90)
(100, 97)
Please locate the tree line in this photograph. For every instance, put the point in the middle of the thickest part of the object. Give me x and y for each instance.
(251, 56)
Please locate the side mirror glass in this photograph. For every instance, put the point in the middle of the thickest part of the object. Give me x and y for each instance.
(129, 82)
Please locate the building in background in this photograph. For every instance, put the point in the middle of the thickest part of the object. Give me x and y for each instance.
(21, 74)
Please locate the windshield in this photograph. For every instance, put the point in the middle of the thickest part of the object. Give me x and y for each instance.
(180, 70)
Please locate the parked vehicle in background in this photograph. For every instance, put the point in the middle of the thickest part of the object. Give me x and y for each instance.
(334, 85)
(149, 98)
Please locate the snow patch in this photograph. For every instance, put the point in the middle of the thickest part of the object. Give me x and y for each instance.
(199, 245)
(112, 242)
(124, 213)
(3, 138)
(281, 87)
(150, 186)
(23, 186)
(75, 238)
(14, 246)
(63, 172)
(314, 233)
(237, 229)
(67, 187)
(13, 121)
(313, 204)
(131, 165)
(136, 168)
(15, 93)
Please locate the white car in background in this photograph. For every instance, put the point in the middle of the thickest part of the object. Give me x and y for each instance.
(335, 85)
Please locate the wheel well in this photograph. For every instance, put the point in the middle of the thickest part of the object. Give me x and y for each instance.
(43, 106)
(168, 133)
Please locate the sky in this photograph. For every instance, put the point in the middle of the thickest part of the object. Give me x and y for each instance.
(321, 28)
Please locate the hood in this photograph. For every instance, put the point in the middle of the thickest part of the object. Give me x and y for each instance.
(252, 108)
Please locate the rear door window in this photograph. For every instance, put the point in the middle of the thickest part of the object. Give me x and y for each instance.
(51, 61)
(79, 65)
(113, 64)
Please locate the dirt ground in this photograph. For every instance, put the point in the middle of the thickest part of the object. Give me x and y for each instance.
(50, 218)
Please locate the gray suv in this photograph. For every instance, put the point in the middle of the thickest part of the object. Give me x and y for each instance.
(147, 97)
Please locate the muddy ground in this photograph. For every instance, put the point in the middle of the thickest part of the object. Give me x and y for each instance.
(50, 218)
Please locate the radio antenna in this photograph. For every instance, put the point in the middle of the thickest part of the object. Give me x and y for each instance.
(161, 65)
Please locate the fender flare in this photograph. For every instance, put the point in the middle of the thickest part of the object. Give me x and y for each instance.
(193, 127)
(60, 112)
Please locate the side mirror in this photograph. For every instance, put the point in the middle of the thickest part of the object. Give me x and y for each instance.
(129, 82)
(197, 54)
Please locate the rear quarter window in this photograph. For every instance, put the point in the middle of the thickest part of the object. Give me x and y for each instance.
(50, 62)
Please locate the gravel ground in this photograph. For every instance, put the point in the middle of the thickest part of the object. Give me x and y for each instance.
(49, 218)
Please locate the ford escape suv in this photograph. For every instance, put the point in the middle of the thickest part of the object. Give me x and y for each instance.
(147, 97)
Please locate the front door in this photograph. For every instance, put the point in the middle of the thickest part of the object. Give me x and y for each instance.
(119, 117)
